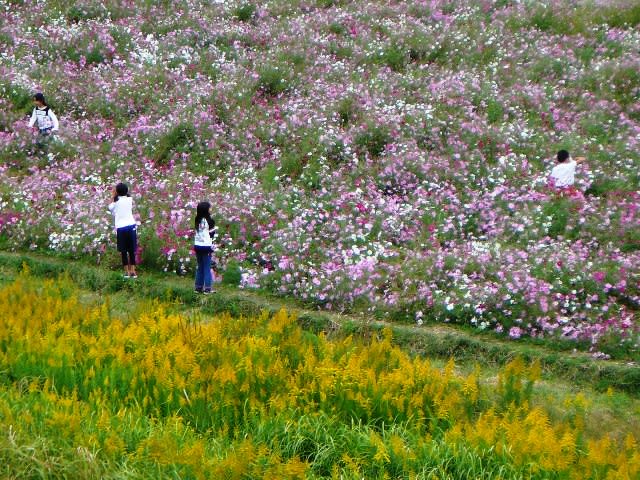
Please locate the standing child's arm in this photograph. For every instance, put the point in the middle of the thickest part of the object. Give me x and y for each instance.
(54, 120)
(112, 205)
(580, 159)
(212, 228)
(33, 118)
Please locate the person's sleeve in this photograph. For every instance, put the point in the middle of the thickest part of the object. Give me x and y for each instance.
(54, 120)
(112, 207)
(32, 120)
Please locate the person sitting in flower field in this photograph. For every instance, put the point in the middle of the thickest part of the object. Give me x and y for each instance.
(44, 119)
(563, 174)
(122, 210)
(203, 246)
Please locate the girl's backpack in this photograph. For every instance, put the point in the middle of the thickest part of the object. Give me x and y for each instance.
(44, 120)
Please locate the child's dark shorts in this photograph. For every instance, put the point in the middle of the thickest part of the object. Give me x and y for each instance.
(127, 239)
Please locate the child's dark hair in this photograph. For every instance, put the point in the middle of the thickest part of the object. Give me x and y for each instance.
(39, 97)
(121, 191)
(562, 156)
(203, 211)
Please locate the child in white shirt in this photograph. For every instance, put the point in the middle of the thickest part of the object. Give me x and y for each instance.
(563, 174)
(203, 246)
(122, 210)
(45, 120)
(43, 116)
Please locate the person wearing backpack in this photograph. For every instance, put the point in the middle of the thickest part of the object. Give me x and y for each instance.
(44, 119)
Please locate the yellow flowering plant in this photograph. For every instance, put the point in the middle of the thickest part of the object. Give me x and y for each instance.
(261, 398)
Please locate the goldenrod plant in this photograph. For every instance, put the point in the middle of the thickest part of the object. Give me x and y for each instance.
(87, 395)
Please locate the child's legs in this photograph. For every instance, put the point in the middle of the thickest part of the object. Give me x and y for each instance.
(206, 267)
(199, 270)
(43, 143)
(132, 247)
(132, 260)
(127, 247)
(125, 261)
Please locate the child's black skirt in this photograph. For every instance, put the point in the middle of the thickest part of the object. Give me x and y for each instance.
(127, 239)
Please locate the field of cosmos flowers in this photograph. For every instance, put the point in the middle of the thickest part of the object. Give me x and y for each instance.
(382, 157)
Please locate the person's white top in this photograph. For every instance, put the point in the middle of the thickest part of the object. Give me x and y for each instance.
(45, 118)
(122, 210)
(203, 234)
(563, 174)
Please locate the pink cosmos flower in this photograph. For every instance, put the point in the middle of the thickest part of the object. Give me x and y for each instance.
(515, 332)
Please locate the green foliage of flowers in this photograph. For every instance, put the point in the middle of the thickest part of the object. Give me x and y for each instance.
(606, 186)
(558, 212)
(337, 28)
(181, 138)
(245, 12)
(274, 80)
(20, 97)
(393, 57)
(495, 111)
(231, 274)
(373, 139)
(628, 16)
